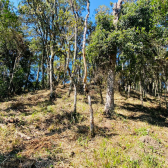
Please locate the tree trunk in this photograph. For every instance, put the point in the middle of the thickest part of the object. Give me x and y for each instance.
(27, 77)
(75, 44)
(42, 67)
(75, 101)
(52, 95)
(86, 90)
(91, 116)
(70, 87)
(109, 105)
(153, 88)
(129, 90)
(126, 88)
(100, 91)
(48, 71)
(10, 88)
(141, 92)
(166, 90)
(64, 72)
(37, 82)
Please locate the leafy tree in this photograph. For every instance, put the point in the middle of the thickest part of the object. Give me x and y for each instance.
(14, 52)
(103, 49)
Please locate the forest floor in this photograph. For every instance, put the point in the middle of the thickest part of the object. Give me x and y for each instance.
(37, 133)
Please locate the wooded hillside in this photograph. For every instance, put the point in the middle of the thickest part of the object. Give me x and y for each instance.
(74, 93)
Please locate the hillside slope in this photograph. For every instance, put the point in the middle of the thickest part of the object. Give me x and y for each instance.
(35, 132)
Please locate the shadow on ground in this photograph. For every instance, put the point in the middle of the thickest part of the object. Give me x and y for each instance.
(152, 115)
(136, 95)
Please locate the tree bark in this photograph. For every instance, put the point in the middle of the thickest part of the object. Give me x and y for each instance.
(64, 72)
(70, 87)
(42, 66)
(91, 117)
(10, 88)
(48, 70)
(141, 92)
(166, 90)
(109, 105)
(129, 90)
(37, 82)
(75, 101)
(101, 96)
(52, 95)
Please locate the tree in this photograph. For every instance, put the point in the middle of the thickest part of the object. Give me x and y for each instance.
(142, 41)
(105, 41)
(14, 52)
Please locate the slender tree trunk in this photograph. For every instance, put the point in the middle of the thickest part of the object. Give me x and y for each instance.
(27, 78)
(70, 87)
(64, 73)
(161, 88)
(159, 96)
(129, 90)
(76, 38)
(52, 95)
(100, 91)
(75, 102)
(42, 67)
(75, 43)
(156, 88)
(48, 71)
(153, 88)
(79, 71)
(10, 88)
(126, 88)
(166, 90)
(86, 90)
(91, 117)
(37, 82)
(141, 92)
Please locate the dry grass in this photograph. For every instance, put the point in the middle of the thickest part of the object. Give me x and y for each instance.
(37, 133)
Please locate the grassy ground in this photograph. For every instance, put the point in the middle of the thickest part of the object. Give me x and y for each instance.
(37, 133)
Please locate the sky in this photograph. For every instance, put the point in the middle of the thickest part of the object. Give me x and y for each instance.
(93, 5)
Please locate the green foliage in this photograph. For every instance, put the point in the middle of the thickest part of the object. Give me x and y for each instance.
(141, 131)
(104, 39)
(14, 52)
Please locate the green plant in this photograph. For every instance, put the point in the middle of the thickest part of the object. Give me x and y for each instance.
(141, 131)
(83, 141)
(141, 144)
(132, 163)
(151, 161)
(49, 109)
